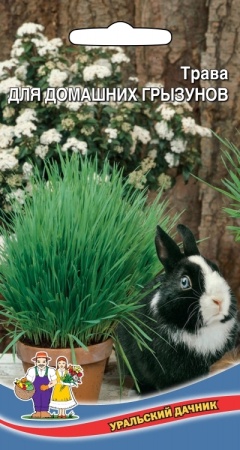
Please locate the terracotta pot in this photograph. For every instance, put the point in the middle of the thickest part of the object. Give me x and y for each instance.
(92, 361)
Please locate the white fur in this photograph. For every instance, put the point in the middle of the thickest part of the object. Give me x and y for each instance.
(213, 335)
(215, 289)
(154, 302)
(209, 339)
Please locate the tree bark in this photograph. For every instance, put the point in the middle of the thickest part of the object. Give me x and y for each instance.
(162, 64)
(222, 52)
(209, 43)
(59, 17)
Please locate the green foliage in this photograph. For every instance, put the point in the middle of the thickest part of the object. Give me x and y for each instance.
(78, 254)
(145, 138)
(231, 160)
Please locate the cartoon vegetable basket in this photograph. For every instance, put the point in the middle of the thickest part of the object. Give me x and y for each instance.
(24, 389)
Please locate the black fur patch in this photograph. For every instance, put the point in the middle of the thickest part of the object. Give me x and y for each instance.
(181, 307)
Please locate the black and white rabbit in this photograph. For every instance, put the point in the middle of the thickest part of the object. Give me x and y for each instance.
(192, 317)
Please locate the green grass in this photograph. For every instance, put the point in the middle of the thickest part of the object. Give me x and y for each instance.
(231, 159)
(77, 256)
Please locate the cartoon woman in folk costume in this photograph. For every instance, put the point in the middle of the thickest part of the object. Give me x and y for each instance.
(62, 396)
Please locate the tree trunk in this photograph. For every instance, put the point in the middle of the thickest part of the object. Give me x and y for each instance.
(222, 51)
(59, 17)
(209, 43)
(163, 64)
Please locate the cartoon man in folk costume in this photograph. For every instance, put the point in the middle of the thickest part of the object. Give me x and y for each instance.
(43, 378)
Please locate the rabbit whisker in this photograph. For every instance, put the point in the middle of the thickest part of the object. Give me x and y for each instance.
(190, 317)
(177, 298)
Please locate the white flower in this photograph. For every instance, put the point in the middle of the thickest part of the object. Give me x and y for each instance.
(14, 151)
(40, 41)
(7, 161)
(87, 131)
(56, 78)
(6, 85)
(16, 52)
(74, 68)
(29, 188)
(203, 131)
(126, 127)
(17, 49)
(50, 65)
(118, 58)
(129, 105)
(163, 131)
(8, 112)
(115, 48)
(153, 153)
(185, 105)
(25, 129)
(166, 112)
(42, 71)
(47, 49)
(10, 151)
(112, 133)
(118, 149)
(18, 195)
(172, 159)
(44, 46)
(26, 115)
(75, 145)
(6, 135)
(147, 164)
(95, 70)
(165, 181)
(29, 28)
(178, 145)
(21, 71)
(133, 146)
(103, 62)
(189, 125)
(41, 151)
(56, 42)
(73, 106)
(27, 169)
(8, 64)
(90, 47)
(137, 179)
(14, 180)
(68, 123)
(141, 134)
(50, 136)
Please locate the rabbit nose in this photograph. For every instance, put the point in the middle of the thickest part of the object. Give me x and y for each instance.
(217, 302)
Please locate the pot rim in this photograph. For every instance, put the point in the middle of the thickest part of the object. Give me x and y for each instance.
(95, 352)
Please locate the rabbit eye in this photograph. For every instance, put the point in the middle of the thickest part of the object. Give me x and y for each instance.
(185, 282)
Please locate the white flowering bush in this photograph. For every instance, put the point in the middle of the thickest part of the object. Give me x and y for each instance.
(145, 138)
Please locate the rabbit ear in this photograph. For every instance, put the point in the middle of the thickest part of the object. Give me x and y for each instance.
(189, 242)
(167, 250)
